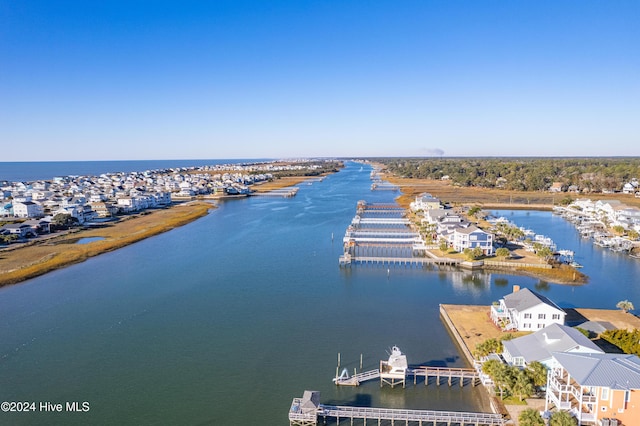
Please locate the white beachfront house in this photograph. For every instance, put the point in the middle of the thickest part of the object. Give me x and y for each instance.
(526, 310)
(541, 345)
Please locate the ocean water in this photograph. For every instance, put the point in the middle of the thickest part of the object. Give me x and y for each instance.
(225, 320)
(46, 170)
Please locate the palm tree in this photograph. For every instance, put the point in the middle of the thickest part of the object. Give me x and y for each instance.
(562, 418)
(522, 385)
(530, 417)
(537, 372)
(625, 305)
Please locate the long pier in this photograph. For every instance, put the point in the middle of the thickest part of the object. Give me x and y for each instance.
(396, 261)
(283, 192)
(302, 413)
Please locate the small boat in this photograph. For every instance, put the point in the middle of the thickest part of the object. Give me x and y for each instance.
(575, 264)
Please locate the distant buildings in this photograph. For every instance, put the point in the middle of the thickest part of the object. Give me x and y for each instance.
(87, 198)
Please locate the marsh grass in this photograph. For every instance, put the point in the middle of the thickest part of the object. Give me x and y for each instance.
(37, 259)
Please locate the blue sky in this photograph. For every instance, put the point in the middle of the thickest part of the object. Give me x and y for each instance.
(110, 80)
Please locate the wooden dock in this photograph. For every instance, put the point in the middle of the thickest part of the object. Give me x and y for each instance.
(284, 192)
(345, 261)
(461, 374)
(300, 414)
(449, 374)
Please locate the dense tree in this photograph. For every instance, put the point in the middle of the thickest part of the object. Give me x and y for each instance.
(487, 347)
(537, 372)
(522, 386)
(530, 417)
(62, 220)
(627, 341)
(526, 174)
(562, 418)
(502, 252)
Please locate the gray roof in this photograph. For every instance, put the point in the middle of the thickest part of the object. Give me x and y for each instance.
(539, 346)
(469, 230)
(597, 327)
(524, 299)
(615, 371)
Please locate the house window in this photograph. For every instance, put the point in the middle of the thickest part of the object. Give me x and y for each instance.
(527, 316)
(556, 316)
(541, 316)
(540, 325)
(627, 396)
(605, 394)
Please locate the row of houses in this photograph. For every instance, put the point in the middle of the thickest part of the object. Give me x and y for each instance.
(581, 378)
(611, 212)
(87, 198)
(632, 187)
(445, 224)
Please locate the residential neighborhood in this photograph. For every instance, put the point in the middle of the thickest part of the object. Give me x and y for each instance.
(28, 208)
(445, 224)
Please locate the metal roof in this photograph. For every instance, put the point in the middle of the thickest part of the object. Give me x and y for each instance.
(539, 346)
(614, 371)
(524, 299)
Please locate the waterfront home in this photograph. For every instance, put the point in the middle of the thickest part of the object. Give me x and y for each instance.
(594, 387)
(27, 209)
(42, 226)
(424, 202)
(539, 346)
(526, 310)
(22, 230)
(472, 237)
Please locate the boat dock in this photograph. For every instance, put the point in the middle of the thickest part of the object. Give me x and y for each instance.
(346, 260)
(438, 373)
(307, 410)
(283, 192)
(380, 234)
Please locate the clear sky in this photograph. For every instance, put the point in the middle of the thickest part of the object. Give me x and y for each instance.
(112, 79)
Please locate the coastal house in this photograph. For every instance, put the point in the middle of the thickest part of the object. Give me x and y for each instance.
(22, 230)
(556, 187)
(424, 202)
(472, 237)
(27, 209)
(607, 208)
(595, 388)
(541, 345)
(6, 209)
(104, 209)
(526, 310)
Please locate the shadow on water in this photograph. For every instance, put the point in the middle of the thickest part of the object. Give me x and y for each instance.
(358, 400)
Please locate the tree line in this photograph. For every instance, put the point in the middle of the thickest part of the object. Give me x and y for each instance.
(521, 174)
